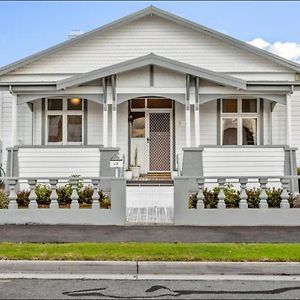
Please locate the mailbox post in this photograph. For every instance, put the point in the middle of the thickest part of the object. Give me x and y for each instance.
(117, 163)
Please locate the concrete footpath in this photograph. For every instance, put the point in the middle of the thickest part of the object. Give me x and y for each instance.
(149, 233)
(133, 270)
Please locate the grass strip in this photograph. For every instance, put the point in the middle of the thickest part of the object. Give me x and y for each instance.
(151, 251)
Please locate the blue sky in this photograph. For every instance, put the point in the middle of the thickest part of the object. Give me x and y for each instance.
(28, 27)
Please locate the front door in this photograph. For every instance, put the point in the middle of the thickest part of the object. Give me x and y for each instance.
(159, 141)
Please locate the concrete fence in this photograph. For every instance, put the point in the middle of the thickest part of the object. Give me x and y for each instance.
(95, 215)
(184, 187)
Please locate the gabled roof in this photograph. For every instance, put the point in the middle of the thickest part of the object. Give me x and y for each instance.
(152, 59)
(151, 10)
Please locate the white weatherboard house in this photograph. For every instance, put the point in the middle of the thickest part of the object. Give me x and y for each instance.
(185, 96)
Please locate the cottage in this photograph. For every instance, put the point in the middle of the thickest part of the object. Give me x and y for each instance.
(161, 91)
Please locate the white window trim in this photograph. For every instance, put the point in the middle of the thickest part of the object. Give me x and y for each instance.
(64, 113)
(239, 115)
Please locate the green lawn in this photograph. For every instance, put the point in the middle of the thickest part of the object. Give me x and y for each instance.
(151, 251)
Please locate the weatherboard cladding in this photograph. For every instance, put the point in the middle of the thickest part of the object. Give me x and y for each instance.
(151, 35)
(152, 60)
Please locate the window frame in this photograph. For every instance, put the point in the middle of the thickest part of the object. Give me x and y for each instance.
(239, 115)
(64, 113)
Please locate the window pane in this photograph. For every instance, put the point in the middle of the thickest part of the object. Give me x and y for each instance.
(249, 131)
(229, 105)
(54, 129)
(138, 124)
(74, 104)
(138, 103)
(229, 131)
(249, 105)
(159, 103)
(55, 104)
(74, 128)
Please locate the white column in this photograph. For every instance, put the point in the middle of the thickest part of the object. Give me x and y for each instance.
(114, 112)
(197, 114)
(14, 120)
(187, 113)
(288, 121)
(105, 125)
(197, 127)
(105, 114)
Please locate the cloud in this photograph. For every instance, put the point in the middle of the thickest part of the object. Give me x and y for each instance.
(287, 50)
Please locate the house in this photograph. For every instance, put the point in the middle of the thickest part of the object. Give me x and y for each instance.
(177, 94)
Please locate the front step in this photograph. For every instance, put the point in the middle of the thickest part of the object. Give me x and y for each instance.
(150, 182)
(152, 179)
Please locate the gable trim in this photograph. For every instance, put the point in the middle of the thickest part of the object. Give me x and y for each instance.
(152, 59)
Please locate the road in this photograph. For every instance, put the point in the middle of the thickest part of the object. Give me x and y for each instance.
(257, 288)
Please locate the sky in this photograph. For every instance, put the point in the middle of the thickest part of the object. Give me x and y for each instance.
(27, 27)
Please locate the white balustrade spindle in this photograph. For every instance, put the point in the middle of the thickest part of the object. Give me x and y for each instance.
(221, 195)
(284, 203)
(53, 196)
(200, 196)
(263, 194)
(243, 204)
(95, 197)
(32, 196)
(74, 196)
(12, 194)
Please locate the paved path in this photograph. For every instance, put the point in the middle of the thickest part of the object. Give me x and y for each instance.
(87, 233)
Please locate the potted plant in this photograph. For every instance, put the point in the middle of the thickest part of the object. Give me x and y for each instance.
(174, 173)
(128, 174)
(135, 168)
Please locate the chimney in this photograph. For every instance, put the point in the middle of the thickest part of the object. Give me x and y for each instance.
(74, 33)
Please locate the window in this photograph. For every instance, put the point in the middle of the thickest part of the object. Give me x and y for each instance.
(239, 121)
(64, 121)
(137, 124)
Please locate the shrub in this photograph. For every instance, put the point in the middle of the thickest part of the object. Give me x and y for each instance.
(64, 195)
(85, 195)
(104, 200)
(23, 198)
(253, 197)
(232, 197)
(43, 193)
(274, 197)
(3, 200)
(211, 197)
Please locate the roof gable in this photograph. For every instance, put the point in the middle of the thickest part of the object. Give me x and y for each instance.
(152, 59)
(165, 15)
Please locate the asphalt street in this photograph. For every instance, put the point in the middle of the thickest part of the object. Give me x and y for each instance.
(148, 289)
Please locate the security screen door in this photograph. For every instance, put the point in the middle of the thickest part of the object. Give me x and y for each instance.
(159, 141)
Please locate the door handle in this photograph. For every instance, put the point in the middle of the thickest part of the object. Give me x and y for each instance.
(148, 140)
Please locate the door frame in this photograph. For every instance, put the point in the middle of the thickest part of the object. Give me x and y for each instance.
(148, 111)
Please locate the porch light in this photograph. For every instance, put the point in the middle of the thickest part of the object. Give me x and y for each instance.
(75, 101)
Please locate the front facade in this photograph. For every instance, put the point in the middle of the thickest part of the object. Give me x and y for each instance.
(160, 91)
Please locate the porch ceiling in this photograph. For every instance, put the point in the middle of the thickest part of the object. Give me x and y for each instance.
(152, 59)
